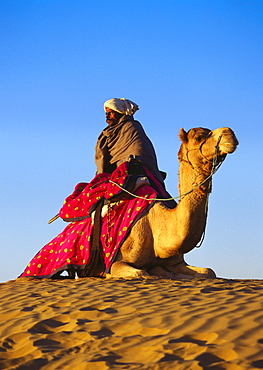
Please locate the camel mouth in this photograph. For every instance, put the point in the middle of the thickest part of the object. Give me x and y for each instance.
(228, 147)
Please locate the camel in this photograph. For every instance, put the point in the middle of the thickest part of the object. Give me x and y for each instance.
(159, 240)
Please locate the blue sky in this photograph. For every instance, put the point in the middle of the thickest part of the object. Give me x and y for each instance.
(185, 63)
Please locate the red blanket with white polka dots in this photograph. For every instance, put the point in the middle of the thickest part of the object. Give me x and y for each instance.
(71, 248)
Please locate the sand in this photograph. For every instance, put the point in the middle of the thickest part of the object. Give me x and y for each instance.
(154, 324)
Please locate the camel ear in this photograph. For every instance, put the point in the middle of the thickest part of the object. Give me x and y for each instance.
(183, 135)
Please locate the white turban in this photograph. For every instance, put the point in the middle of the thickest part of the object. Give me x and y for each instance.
(123, 106)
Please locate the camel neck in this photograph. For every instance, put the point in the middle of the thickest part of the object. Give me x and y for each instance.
(193, 181)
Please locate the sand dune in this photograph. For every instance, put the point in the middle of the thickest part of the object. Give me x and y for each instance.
(154, 324)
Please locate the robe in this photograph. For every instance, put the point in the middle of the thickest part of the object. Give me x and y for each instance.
(116, 144)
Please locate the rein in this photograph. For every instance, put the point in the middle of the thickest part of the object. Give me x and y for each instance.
(215, 167)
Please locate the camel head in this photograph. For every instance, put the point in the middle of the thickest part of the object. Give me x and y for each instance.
(201, 145)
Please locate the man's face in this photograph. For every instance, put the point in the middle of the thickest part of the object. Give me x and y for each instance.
(112, 116)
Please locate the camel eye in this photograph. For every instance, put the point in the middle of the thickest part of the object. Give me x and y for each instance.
(199, 138)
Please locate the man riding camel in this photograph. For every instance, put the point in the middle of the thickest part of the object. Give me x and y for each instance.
(124, 138)
(90, 244)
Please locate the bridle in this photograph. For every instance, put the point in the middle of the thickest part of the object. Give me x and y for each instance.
(215, 165)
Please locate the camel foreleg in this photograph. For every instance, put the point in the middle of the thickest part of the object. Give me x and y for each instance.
(124, 270)
(176, 274)
(191, 272)
(179, 269)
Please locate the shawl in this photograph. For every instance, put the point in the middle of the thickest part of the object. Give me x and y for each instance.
(118, 143)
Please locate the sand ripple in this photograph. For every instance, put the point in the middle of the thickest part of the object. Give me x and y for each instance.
(152, 324)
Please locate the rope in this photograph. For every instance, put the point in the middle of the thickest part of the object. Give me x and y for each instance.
(213, 171)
